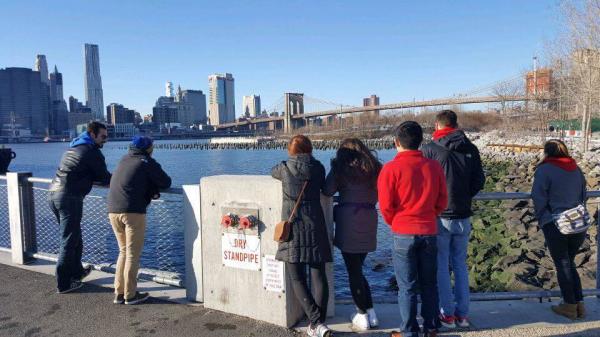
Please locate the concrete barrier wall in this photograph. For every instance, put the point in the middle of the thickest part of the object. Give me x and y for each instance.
(239, 287)
(193, 243)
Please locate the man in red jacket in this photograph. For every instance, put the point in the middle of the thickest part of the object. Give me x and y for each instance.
(412, 194)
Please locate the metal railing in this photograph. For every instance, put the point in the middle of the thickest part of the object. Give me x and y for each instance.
(162, 258)
(24, 204)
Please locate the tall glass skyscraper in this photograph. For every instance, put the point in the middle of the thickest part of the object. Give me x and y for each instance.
(42, 66)
(93, 82)
(221, 101)
(24, 101)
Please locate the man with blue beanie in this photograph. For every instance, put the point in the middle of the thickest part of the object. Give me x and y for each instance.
(136, 181)
(81, 166)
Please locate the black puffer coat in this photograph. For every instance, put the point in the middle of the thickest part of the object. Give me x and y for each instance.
(309, 240)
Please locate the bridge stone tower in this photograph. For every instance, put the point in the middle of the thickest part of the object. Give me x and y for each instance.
(293, 105)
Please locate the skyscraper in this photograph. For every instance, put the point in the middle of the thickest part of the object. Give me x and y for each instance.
(24, 100)
(251, 106)
(56, 86)
(42, 66)
(59, 118)
(221, 102)
(93, 82)
(169, 89)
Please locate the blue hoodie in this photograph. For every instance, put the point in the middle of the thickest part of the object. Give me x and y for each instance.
(84, 138)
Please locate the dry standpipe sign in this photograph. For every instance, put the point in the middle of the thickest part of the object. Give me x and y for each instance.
(241, 251)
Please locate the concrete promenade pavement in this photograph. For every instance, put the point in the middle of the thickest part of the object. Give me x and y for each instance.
(30, 307)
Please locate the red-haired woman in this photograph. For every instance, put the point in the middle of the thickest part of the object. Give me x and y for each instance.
(309, 241)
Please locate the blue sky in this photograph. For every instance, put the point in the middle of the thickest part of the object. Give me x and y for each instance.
(338, 51)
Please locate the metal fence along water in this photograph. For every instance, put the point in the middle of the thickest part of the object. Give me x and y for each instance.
(506, 252)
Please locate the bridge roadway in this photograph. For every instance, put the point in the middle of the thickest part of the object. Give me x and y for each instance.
(30, 307)
(393, 106)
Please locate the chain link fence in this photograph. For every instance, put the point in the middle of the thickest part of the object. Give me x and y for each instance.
(4, 219)
(164, 244)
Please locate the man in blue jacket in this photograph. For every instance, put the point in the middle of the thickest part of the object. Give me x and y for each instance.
(464, 179)
(81, 166)
(137, 180)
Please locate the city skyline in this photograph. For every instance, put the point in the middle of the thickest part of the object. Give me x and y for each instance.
(339, 53)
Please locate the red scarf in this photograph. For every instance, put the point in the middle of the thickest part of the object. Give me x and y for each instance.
(441, 133)
(565, 163)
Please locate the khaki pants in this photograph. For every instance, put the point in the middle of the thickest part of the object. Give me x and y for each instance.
(129, 229)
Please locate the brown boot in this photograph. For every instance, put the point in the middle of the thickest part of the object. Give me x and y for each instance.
(432, 333)
(567, 310)
(580, 310)
(396, 334)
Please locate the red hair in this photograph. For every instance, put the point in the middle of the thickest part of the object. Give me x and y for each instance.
(299, 144)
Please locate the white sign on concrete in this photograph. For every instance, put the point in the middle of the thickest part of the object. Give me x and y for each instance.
(273, 274)
(241, 251)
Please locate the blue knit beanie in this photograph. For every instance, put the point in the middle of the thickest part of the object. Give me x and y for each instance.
(141, 142)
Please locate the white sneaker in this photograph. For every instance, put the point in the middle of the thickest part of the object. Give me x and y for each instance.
(323, 330)
(373, 321)
(360, 321)
(311, 332)
(462, 322)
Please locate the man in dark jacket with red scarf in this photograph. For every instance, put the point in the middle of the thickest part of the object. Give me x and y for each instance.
(464, 179)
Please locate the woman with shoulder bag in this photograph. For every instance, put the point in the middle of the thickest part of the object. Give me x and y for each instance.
(559, 195)
(307, 244)
(354, 172)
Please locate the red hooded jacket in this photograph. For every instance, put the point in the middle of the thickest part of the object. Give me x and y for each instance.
(412, 193)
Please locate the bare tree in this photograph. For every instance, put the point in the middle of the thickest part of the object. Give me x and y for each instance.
(576, 58)
(506, 89)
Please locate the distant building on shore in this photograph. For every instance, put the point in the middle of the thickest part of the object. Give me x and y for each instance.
(24, 101)
(78, 114)
(59, 114)
(251, 106)
(373, 100)
(118, 114)
(165, 113)
(221, 102)
(191, 105)
(94, 96)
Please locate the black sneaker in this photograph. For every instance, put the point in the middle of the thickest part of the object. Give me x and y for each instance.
(86, 272)
(138, 298)
(119, 299)
(74, 286)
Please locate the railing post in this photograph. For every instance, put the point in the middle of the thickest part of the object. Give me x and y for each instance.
(597, 249)
(22, 216)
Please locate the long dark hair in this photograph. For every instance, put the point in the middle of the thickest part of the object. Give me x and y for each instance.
(355, 162)
(554, 148)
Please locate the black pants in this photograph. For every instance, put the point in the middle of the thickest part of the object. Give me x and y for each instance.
(361, 292)
(315, 307)
(68, 210)
(563, 249)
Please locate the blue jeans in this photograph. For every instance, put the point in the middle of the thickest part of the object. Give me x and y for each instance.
(452, 242)
(414, 258)
(68, 210)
